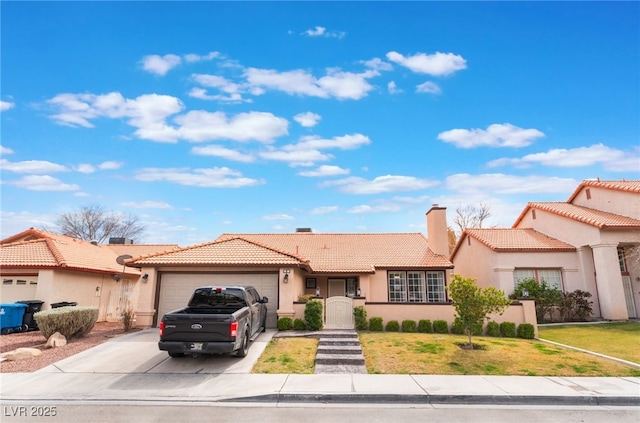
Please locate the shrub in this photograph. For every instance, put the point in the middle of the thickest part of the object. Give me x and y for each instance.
(128, 317)
(360, 317)
(72, 322)
(313, 315)
(575, 306)
(493, 329)
(508, 329)
(526, 331)
(440, 326)
(285, 323)
(392, 326)
(458, 328)
(424, 326)
(298, 324)
(409, 325)
(305, 298)
(375, 324)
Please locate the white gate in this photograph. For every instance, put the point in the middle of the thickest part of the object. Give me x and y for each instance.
(628, 296)
(339, 313)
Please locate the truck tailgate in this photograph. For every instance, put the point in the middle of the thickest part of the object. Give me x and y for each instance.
(197, 327)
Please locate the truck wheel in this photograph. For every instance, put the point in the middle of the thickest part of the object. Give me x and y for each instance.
(244, 349)
(176, 355)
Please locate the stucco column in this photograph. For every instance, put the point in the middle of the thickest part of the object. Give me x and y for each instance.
(609, 282)
(286, 293)
(587, 275)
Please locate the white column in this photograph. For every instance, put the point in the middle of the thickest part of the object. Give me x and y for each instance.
(609, 282)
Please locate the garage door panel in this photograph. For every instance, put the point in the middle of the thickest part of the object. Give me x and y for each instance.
(176, 289)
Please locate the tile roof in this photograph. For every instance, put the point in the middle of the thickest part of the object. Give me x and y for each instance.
(621, 185)
(599, 219)
(231, 251)
(353, 252)
(137, 250)
(36, 249)
(514, 240)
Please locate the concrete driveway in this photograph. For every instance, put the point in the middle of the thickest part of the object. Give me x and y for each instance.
(138, 352)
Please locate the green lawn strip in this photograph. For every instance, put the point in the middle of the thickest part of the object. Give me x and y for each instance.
(288, 355)
(619, 340)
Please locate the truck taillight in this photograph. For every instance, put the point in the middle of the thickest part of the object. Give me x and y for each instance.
(162, 328)
(234, 329)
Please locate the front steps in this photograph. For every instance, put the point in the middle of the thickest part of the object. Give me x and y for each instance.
(339, 351)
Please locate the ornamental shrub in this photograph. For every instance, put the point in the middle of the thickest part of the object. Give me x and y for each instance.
(508, 329)
(409, 326)
(313, 315)
(493, 329)
(392, 326)
(526, 331)
(375, 324)
(285, 323)
(298, 324)
(440, 326)
(360, 317)
(72, 322)
(424, 326)
(458, 328)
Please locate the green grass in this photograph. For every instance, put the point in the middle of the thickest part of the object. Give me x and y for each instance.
(620, 340)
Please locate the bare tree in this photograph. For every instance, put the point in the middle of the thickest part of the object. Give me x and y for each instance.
(471, 216)
(94, 223)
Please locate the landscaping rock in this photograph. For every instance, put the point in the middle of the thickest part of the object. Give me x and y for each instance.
(21, 354)
(56, 340)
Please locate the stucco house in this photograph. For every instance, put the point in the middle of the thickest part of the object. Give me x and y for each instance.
(40, 265)
(590, 242)
(394, 275)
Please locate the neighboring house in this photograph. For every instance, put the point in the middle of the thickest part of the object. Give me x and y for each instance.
(590, 242)
(40, 265)
(391, 270)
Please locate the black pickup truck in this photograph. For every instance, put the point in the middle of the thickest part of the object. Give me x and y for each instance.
(217, 320)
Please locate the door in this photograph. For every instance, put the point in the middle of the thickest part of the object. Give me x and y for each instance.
(336, 288)
(339, 313)
(628, 296)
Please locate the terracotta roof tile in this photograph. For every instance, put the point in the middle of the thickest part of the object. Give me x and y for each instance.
(620, 185)
(137, 250)
(508, 239)
(593, 217)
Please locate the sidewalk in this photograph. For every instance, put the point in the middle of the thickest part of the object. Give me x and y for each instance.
(130, 368)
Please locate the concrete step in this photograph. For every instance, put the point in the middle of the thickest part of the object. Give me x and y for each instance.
(340, 369)
(339, 335)
(324, 341)
(339, 349)
(340, 359)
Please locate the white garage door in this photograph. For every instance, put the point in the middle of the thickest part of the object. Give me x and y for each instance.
(176, 289)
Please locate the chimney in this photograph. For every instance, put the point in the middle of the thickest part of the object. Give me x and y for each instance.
(303, 230)
(120, 241)
(437, 237)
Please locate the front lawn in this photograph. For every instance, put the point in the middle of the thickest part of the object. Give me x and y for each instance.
(620, 340)
(417, 353)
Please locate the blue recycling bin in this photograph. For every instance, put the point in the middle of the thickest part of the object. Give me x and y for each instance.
(11, 316)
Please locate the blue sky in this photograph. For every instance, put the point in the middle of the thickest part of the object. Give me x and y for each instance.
(209, 117)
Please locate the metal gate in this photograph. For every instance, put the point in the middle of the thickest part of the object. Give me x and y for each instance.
(628, 296)
(339, 313)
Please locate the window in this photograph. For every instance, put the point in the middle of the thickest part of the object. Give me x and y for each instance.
(621, 260)
(21, 282)
(553, 277)
(416, 287)
(7, 281)
(352, 286)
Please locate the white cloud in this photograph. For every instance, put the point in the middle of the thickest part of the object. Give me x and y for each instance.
(307, 119)
(324, 210)
(146, 205)
(496, 135)
(6, 105)
(280, 216)
(160, 65)
(325, 170)
(393, 88)
(381, 184)
(32, 166)
(217, 177)
(232, 89)
(199, 58)
(320, 31)
(438, 64)
(5, 150)
(201, 93)
(222, 152)
(380, 208)
(498, 183)
(85, 168)
(344, 142)
(611, 158)
(110, 165)
(378, 64)
(295, 157)
(199, 125)
(428, 87)
(42, 183)
(338, 84)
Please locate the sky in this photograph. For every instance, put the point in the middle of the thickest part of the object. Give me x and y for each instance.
(203, 118)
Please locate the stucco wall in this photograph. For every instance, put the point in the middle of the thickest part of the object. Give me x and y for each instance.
(618, 202)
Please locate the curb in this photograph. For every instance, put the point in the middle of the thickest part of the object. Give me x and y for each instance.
(442, 399)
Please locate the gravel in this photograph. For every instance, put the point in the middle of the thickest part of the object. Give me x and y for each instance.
(101, 332)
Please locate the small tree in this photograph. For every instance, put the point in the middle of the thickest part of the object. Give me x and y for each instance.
(474, 304)
(94, 223)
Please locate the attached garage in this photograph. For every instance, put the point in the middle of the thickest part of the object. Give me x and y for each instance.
(176, 288)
